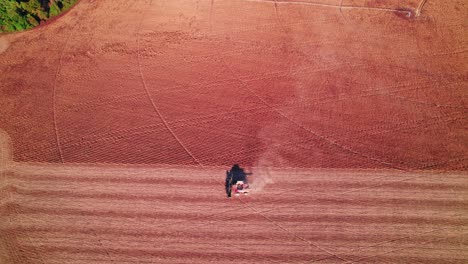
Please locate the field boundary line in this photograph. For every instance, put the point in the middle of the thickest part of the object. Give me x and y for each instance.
(420, 7)
(54, 96)
(340, 6)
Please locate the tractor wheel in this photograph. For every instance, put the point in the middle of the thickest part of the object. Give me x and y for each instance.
(228, 188)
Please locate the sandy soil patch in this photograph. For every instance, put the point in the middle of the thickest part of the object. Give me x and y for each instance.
(4, 44)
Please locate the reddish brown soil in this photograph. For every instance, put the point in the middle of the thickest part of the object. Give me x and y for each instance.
(361, 104)
(217, 82)
(95, 214)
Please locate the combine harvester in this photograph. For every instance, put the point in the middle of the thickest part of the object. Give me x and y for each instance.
(236, 179)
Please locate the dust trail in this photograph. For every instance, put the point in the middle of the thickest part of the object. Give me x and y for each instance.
(262, 173)
(4, 44)
(263, 169)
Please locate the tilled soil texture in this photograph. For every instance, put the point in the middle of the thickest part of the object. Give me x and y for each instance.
(325, 84)
(93, 214)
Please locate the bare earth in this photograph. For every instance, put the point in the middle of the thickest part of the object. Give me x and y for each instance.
(118, 120)
(216, 82)
(95, 214)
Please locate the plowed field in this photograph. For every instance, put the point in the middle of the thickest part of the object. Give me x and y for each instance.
(118, 119)
(70, 214)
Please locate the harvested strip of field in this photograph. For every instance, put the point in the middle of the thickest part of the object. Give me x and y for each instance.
(94, 214)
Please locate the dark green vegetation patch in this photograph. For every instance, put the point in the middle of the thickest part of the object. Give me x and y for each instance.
(17, 15)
